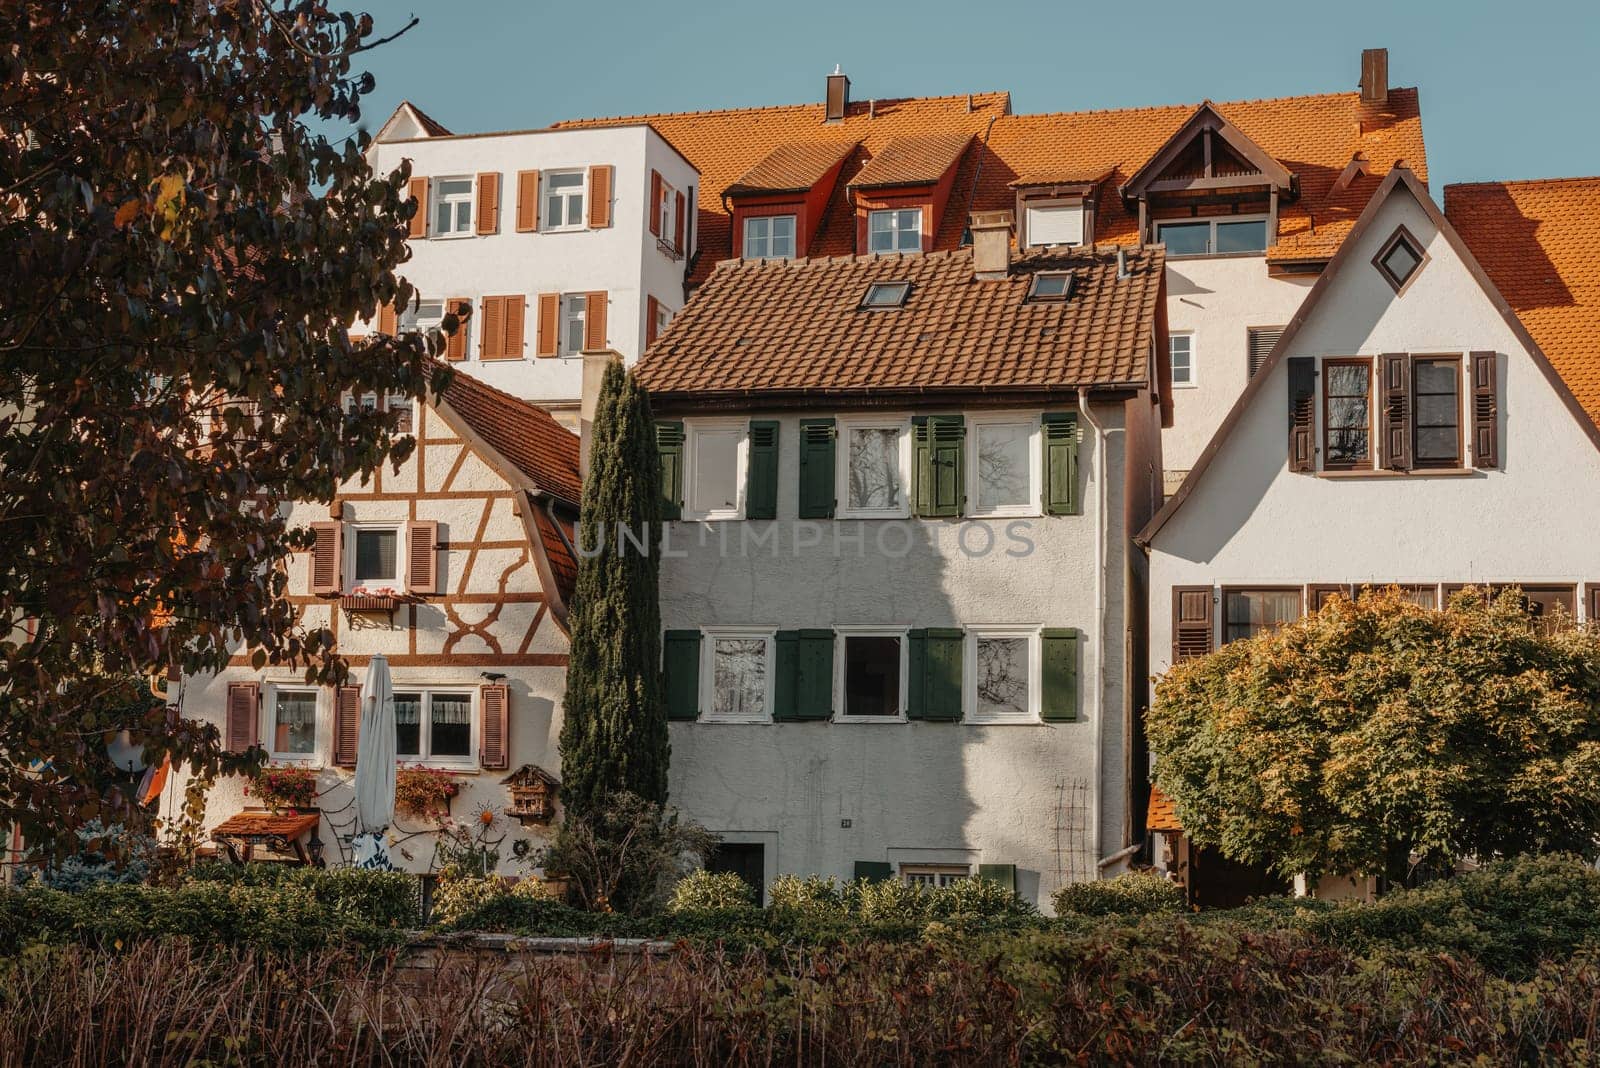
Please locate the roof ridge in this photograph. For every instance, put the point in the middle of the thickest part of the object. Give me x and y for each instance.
(1500, 183)
(882, 100)
(1195, 106)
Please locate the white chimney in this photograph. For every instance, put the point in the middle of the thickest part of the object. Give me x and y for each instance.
(991, 244)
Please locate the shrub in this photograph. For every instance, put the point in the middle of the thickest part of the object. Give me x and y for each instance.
(379, 898)
(707, 892)
(886, 900)
(813, 895)
(627, 856)
(1134, 893)
(107, 855)
(977, 899)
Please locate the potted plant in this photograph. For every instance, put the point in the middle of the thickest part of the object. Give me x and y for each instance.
(424, 791)
(284, 788)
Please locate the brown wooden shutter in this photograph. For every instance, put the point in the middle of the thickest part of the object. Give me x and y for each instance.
(419, 221)
(1485, 410)
(488, 203)
(244, 703)
(600, 197)
(492, 331)
(678, 218)
(1302, 408)
(549, 324)
(594, 322)
(527, 201)
(1191, 622)
(494, 711)
(655, 203)
(1395, 382)
(387, 320)
(455, 346)
(346, 725)
(515, 310)
(326, 557)
(422, 556)
(652, 308)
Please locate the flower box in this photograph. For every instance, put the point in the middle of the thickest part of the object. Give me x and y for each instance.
(281, 789)
(424, 792)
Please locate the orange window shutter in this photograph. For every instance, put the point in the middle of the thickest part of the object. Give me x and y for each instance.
(455, 346)
(515, 308)
(655, 203)
(677, 223)
(244, 703)
(491, 332)
(600, 197)
(527, 201)
(386, 319)
(494, 710)
(422, 556)
(346, 725)
(326, 551)
(549, 324)
(651, 310)
(488, 208)
(419, 221)
(594, 322)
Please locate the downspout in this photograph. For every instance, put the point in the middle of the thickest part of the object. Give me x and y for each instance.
(1101, 525)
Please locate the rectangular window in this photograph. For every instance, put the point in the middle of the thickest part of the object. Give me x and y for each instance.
(1003, 677)
(875, 462)
(377, 556)
(1346, 414)
(1551, 605)
(872, 668)
(895, 230)
(666, 215)
(769, 237)
(292, 733)
(1004, 476)
(399, 402)
(433, 725)
(1181, 346)
(421, 316)
(934, 875)
(574, 309)
(663, 317)
(452, 206)
(1055, 223)
(717, 456)
(1213, 237)
(738, 676)
(1248, 612)
(563, 200)
(1436, 402)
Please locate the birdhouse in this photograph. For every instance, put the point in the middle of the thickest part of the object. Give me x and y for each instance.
(533, 794)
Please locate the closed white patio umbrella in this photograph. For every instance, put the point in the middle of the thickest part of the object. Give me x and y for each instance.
(375, 760)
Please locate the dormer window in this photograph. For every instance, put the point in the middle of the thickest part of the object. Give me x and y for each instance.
(1399, 259)
(886, 295)
(1055, 222)
(1213, 237)
(895, 230)
(769, 237)
(1050, 285)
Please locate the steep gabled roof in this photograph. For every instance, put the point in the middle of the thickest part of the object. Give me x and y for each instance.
(1399, 178)
(920, 160)
(797, 327)
(430, 126)
(792, 168)
(1206, 117)
(525, 434)
(1540, 243)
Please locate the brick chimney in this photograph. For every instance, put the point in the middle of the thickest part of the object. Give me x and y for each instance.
(1375, 76)
(594, 372)
(838, 97)
(991, 244)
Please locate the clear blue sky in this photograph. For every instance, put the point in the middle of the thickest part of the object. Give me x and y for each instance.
(1509, 90)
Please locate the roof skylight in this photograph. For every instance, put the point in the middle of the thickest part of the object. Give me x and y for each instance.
(882, 295)
(1050, 285)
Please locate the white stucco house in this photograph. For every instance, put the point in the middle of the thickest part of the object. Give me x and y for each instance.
(1406, 429)
(561, 242)
(897, 587)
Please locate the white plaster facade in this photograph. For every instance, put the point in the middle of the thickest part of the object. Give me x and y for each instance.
(623, 259)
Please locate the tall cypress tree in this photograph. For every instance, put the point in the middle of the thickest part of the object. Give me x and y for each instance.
(614, 734)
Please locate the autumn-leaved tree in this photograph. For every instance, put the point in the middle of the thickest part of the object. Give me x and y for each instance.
(1378, 730)
(181, 261)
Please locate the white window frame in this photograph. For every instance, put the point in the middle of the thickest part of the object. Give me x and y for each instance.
(412, 321)
(841, 473)
(896, 230)
(970, 712)
(940, 874)
(352, 532)
(1033, 421)
(574, 308)
(437, 197)
(666, 210)
(794, 236)
(425, 731)
(692, 429)
(580, 193)
(269, 723)
(1069, 203)
(1193, 379)
(840, 634)
(664, 316)
(708, 662)
(1211, 240)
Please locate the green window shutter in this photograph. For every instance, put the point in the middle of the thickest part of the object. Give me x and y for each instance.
(1004, 874)
(934, 690)
(876, 870)
(816, 468)
(1059, 661)
(761, 489)
(813, 688)
(939, 489)
(786, 669)
(669, 446)
(1060, 463)
(681, 673)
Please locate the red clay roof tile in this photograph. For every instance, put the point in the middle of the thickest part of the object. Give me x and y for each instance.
(1161, 816)
(792, 167)
(920, 160)
(523, 433)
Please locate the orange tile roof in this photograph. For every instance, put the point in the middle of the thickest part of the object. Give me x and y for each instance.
(1539, 242)
(1061, 174)
(523, 433)
(1161, 816)
(1313, 136)
(912, 160)
(795, 326)
(792, 167)
(556, 537)
(288, 825)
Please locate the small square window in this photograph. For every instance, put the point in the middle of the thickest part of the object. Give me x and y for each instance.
(872, 676)
(769, 237)
(738, 676)
(1051, 285)
(896, 230)
(886, 295)
(452, 206)
(375, 557)
(433, 725)
(563, 200)
(1400, 258)
(1181, 348)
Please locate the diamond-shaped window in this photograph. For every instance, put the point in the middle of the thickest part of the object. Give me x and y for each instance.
(1400, 258)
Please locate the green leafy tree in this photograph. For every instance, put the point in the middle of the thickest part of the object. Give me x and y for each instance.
(1377, 731)
(614, 731)
(181, 261)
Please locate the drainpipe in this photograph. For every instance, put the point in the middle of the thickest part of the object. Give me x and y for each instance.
(1099, 675)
